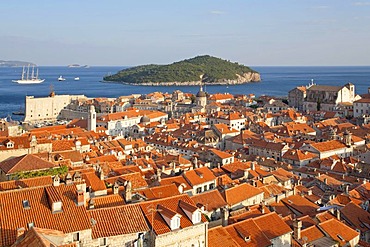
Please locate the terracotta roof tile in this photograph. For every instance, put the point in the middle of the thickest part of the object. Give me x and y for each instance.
(272, 225)
(160, 191)
(312, 233)
(339, 231)
(328, 145)
(220, 237)
(119, 220)
(172, 204)
(25, 183)
(27, 162)
(356, 216)
(300, 204)
(239, 193)
(13, 215)
(211, 200)
(106, 201)
(136, 179)
(199, 176)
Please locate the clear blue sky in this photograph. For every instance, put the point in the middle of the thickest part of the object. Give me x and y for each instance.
(117, 32)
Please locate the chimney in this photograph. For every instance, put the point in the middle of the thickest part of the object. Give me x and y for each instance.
(181, 188)
(115, 188)
(80, 197)
(246, 174)
(224, 216)
(128, 195)
(262, 208)
(68, 179)
(254, 183)
(337, 213)
(91, 203)
(20, 232)
(325, 180)
(101, 174)
(297, 225)
(56, 180)
(253, 165)
(159, 174)
(346, 189)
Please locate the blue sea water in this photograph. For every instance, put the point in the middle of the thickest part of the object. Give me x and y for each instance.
(276, 81)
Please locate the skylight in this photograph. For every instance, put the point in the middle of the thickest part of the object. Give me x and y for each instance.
(26, 204)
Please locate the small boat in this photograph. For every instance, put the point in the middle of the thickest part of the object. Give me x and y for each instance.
(77, 78)
(29, 79)
(61, 78)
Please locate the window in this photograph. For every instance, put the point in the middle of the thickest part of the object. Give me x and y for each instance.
(76, 236)
(211, 186)
(175, 223)
(196, 217)
(103, 242)
(199, 190)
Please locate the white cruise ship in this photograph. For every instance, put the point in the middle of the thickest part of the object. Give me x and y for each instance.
(29, 79)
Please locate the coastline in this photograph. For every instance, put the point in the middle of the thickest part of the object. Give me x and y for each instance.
(169, 84)
(242, 79)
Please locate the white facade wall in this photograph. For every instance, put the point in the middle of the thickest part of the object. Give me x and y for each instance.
(360, 109)
(190, 236)
(283, 240)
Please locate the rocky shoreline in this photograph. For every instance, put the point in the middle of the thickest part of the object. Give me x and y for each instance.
(242, 79)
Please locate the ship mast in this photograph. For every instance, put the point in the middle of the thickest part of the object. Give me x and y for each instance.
(33, 72)
(23, 73)
(28, 71)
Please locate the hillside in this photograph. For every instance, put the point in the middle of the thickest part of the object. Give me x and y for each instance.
(206, 69)
(4, 63)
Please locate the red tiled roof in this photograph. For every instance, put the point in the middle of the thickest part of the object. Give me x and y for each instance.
(272, 225)
(27, 162)
(312, 233)
(328, 145)
(211, 200)
(220, 237)
(199, 176)
(39, 237)
(160, 191)
(172, 204)
(117, 221)
(106, 201)
(356, 216)
(93, 181)
(239, 193)
(25, 183)
(300, 204)
(335, 228)
(73, 218)
(136, 179)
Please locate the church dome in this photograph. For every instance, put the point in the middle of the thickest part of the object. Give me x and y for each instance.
(201, 94)
(145, 119)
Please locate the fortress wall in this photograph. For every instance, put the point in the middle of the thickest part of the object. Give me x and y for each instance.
(46, 108)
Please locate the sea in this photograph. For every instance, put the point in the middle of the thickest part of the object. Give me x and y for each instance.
(276, 81)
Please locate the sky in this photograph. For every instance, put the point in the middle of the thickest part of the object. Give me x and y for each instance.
(127, 33)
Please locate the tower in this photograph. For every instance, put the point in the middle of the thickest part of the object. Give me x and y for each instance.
(347, 138)
(91, 119)
(201, 98)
